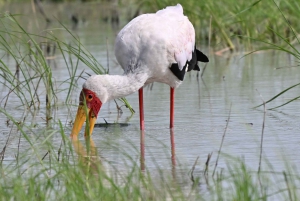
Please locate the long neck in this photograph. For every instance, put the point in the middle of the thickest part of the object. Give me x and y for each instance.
(108, 87)
(123, 85)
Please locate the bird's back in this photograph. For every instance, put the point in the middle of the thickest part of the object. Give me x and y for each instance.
(156, 41)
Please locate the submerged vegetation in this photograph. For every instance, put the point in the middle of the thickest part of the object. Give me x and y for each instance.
(72, 171)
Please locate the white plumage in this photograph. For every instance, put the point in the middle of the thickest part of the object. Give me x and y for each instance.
(157, 47)
(155, 41)
(145, 48)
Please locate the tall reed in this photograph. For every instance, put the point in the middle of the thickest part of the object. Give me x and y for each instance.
(232, 19)
(33, 66)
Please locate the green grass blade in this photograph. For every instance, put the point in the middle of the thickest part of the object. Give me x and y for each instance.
(285, 103)
(279, 94)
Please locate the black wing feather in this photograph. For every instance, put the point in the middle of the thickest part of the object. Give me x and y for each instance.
(192, 64)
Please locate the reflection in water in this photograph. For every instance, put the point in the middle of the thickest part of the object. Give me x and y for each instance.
(87, 155)
(142, 150)
(89, 159)
(172, 140)
(173, 155)
(199, 126)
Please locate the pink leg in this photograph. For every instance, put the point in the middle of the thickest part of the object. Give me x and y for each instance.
(142, 149)
(172, 139)
(141, 104)
(172, 107)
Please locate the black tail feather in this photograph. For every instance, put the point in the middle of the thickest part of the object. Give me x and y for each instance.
(191, 65)
(201, 57)
(196, 68)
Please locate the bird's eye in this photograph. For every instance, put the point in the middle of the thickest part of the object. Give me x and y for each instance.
(90, 97)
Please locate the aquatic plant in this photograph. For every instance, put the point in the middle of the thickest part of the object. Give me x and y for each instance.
(69, 170)
(33, 64)
(221, 22)
(288, 45)
(229, 20)
(76, 171)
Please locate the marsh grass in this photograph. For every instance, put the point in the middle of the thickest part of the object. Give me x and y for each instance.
(233, 19)
(288, 44)
(249, 26)
(33, 64)
(73, 169)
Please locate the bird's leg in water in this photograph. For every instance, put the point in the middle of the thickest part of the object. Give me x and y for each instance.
(172, 90)
(141, 105)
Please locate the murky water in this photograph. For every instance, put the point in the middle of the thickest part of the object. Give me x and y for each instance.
(202, 108)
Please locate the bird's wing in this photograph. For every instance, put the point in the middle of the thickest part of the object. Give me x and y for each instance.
(180, 33)
(184, 44)
(167, 37)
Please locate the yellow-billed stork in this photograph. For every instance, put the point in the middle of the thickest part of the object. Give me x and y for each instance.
(156, 47)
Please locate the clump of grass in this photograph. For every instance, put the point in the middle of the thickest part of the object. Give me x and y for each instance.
(76, 171)
(45, 171)
(233, 19)
(33, 71)
(73, 171)
(288, 45)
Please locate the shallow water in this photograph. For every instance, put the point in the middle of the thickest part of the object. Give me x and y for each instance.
(202, 108)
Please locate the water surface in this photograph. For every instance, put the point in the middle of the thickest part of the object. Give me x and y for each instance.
(202, 108)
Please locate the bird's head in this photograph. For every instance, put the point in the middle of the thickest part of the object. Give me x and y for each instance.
(90, 102)
(89, 107)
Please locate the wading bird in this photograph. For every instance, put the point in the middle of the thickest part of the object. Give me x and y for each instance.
(157, 47)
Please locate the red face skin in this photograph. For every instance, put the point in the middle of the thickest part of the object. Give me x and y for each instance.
(92, 101)
(93, 104)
